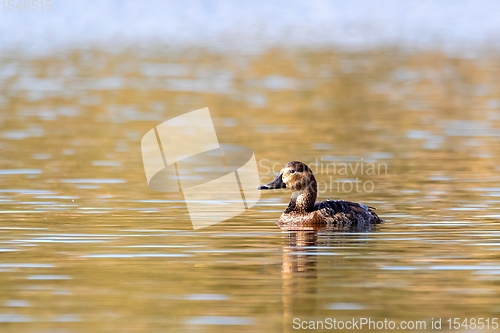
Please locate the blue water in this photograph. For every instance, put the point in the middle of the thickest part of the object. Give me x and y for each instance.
(251, 26)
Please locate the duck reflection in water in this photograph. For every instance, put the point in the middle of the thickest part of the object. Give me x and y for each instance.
(299, 270)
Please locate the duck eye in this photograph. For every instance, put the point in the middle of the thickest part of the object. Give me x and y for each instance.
(291, 171)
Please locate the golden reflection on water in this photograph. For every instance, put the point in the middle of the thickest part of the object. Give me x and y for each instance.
(86, 245)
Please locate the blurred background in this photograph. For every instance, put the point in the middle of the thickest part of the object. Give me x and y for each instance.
(411, 85)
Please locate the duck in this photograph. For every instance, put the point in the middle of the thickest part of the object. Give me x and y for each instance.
(305, 213)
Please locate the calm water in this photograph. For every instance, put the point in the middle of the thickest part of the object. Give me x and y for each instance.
(87, 246)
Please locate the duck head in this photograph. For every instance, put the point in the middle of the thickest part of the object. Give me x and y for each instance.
(297, 177)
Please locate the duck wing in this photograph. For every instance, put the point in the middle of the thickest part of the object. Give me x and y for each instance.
(348, 214)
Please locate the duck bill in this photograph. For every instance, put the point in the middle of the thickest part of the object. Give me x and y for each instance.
(275, 184)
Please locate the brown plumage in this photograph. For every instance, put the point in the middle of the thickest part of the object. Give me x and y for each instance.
(305, 213)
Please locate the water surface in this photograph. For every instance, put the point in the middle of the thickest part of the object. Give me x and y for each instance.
(87, 246)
